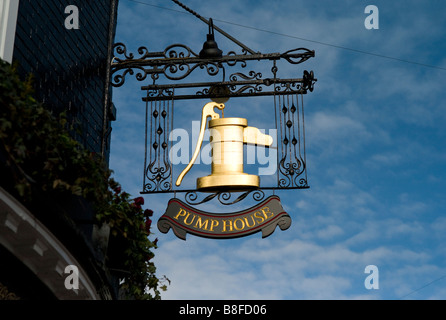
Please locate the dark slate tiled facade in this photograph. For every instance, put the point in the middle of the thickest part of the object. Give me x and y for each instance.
(70, 65)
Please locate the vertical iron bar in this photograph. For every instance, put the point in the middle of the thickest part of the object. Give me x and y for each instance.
(303, 133)
(171, 142)
(163, 115)
(160, 110)
(151, 133)
(298, 126)
(145, 145)
(281, 126)
(290, 118)
(275, 120)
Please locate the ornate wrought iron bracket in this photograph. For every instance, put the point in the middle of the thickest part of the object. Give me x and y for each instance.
(177, 62)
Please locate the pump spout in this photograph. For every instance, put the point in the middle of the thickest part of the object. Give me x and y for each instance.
(252, 135)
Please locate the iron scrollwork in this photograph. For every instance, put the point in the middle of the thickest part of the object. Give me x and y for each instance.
(125, 63)
(177, 62)
(224, 197)
(296, 56)
(157, 166)
(292, 159)
(239, 85)
(308, 81)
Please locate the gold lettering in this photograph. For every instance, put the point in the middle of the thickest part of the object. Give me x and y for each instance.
(180, 214)
(265, 210)
(253, 221)
(228, 224)
(187, 216)
(258, 216)
(225, 225)
(201, 225)
(235, 224)
(214, 223)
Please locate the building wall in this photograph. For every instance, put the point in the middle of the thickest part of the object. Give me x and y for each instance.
(70, 65)
(8, 20)
(70, 68)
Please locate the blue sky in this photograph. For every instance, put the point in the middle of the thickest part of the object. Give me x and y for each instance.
(375, 141)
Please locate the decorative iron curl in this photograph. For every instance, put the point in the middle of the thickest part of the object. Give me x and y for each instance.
(119, 79)
(158, 178)
(252, 75)
(180, 51)
(205, 91)
(288, 87)
(295, 57)
(224, 197)
(184, 69)
(170, 51)
(232, 63)
(121, 49)
(308, 81)
(159, 92)
(290, 173)
(303, 182)
(248, 88)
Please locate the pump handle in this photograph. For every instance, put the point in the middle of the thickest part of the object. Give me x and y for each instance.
(208, 111)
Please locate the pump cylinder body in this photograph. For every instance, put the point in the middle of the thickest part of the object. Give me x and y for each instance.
(226, 138)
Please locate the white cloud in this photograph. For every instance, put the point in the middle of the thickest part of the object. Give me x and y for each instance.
(262, 269)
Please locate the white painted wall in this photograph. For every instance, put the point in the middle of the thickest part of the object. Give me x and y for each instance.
(8, 22)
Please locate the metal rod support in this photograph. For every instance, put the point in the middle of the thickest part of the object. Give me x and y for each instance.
(210, 96)
(228, 36)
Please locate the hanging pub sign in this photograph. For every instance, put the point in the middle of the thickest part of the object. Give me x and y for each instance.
(228, 135)
(264, 217)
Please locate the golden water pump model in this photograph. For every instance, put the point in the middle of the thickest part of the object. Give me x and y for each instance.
(227, 136)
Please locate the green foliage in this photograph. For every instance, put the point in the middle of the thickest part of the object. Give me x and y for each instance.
(131, 225)
(43, 156)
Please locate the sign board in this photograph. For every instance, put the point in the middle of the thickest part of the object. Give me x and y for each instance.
(264, 217)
